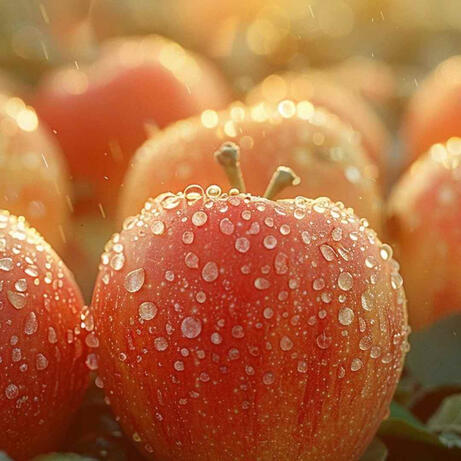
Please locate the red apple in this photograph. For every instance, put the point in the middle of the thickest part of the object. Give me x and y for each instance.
(323, 151)
(34, 179)
(424, 216)
(42, 342)
(103, 112)
(323, 90)
(434, 111)
(233, 327)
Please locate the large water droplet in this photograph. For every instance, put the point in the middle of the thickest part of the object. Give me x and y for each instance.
(345, 316)
(210, 271)
(191, 327)
(345, 281)
(134, 280)
(147, 310)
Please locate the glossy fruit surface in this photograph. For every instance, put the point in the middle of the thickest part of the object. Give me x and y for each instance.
(42, 344)
(323, 90)
(424, 215)
(34, 179)
(323, 151)
(434, 112)
(239, 328)
(103, 112)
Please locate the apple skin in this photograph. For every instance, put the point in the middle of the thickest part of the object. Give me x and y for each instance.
(433, 113)
(322, 89)
(34, 178)
(42, 343)
(227, 332)
(424, 212)
(101, 113)
(325, 154)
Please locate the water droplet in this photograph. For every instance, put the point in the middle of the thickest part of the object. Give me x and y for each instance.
(262, 283)
(323, 341)
(345, 281)
(134, 280)
(237, 331)
(365, 343)
(21, 285)
(285, 229)
(191, 327)
(31, 324)
(17, 300)
(158, 228)
(191, 260)
(216, 338)
(242, 244)
(160, 343)
(375, 352)
(302, 366)
(345, 316)
(306, 237)
(188, 237)
(286, 343)
(396, 281)
(318, 284)
(52, 336)
(367, 300)
(327, 252)
(210, 272)
(179, 365)
(268, 378)
(199, 218)
(385, 252)
(6, 264)
(270, 242)
(226, 226)
(281, 263)
(370, 262)
(268, 313)
(117, 262)
(11, 391)
(147, 310)
(356, 364)
(41, 362)
(337, 234)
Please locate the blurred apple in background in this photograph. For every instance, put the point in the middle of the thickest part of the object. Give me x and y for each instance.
(323, 90)
(34, 178)
(102, 113)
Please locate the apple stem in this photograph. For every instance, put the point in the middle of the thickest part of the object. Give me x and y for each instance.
(282, 178)
(228, 156)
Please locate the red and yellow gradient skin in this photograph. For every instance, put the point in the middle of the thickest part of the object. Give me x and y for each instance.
(238, 328)
(424, 213)
(42, 342)
(103, 112)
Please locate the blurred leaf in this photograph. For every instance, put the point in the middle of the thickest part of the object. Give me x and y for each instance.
(62, 457)
(448, 417)
(427, 400)
(4, 456)
(434, 356)
(376, 451)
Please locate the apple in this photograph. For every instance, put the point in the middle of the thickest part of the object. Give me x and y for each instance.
(102, 112)
(44, 344)
(424, 213)
(34, 179)
(434, 111)
(323, 90)
(236, 327)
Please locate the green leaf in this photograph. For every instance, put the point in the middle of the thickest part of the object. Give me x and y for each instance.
(434, 355)
(4, 456)
(376, 451)
(448, 417)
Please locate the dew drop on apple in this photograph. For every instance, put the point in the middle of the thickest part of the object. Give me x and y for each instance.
(134, 280)
(216, 338)
(226, 226)
(179, 365)
(286, 343)
(210, 271)
(117, 261)
(242, 245)
(268, 378)
(327, 252)
(345, 281)
(161, 344)
(41, 362)
(365, 343)
(21, 285)
(6, 264)
(147, 310)
(237, 331)
(270, 242)
(199, 218)
(11, 391)
(191, 260)
(191, 327)
(188, 237)
(30, 324)
(345, 316)
(17, 300)
(158, 227)
(356, 364)
(323, 341)
(302, 366)
(52, 336)
(261, 283)
(318, 284)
